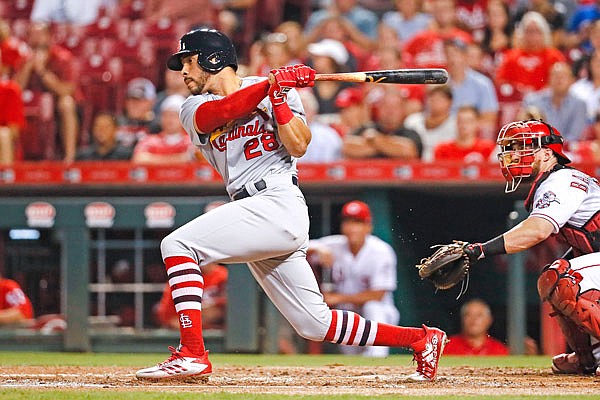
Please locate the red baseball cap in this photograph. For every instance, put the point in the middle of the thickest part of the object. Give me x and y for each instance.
(349, 97)
(356, 210)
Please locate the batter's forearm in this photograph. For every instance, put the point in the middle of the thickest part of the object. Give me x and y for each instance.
(295, 136)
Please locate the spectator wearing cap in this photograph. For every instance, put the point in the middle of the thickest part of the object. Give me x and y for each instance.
(358, 271)
(388, 138)
(138, 119)
(328, 56)
(471, 88)
(50, 68)
(326, 144)
(104, 144)
(172, 145)
(436, 123)
(563, 109)
(355, 115)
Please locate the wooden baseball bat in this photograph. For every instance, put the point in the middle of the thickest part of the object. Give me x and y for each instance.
(406, 76)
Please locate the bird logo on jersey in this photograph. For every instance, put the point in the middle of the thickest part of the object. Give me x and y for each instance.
(547, 198)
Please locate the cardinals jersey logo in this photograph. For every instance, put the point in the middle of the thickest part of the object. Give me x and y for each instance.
(546, 199)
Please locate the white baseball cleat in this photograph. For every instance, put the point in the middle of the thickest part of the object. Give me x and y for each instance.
(427, 353)
(182, 365)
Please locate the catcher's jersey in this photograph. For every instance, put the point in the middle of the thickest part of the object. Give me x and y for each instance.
(567, 196)
(373, 268)
(245, 150)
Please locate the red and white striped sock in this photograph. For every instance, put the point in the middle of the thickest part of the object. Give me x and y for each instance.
(187, 285)
(350, 328)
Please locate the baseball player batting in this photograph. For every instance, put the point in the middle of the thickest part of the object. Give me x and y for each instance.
(565, 202)
(252, 130)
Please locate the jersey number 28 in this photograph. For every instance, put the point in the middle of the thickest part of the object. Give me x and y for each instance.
(252, 147)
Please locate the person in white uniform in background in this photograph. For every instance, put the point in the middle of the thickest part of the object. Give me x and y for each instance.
(362, 270)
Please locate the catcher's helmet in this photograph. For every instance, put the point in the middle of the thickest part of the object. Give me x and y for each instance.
(215, 50)
(519, 142)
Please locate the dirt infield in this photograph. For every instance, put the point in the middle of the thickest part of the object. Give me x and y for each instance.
(333, 379)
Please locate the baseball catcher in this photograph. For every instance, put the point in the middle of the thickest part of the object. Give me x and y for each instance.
(562, 202)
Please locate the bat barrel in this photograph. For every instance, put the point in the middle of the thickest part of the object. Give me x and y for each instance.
(399, 76)
(409, 76)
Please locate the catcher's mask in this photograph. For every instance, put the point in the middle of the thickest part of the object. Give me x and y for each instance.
(519, 141)
(215, 50)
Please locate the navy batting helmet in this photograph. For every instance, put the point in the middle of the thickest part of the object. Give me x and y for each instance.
(215, 50)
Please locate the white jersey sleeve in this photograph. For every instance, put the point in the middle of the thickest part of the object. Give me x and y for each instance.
(566, 196)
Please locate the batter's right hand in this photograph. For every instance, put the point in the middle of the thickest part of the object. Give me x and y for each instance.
(282, 80)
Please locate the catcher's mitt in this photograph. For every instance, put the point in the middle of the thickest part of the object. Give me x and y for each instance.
(447, 266)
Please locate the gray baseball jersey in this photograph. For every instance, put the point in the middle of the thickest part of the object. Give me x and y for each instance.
(245, 150)
(267, 230)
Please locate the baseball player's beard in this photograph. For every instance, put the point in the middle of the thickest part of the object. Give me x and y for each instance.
(194, 86)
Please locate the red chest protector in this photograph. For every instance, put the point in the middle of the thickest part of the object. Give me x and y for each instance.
(583, 240)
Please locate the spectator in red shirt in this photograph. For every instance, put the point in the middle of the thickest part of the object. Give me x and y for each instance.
(15, 306)
(467, 147)
(474, 339)
(52, 68)
(526, 67)
(172, 144)
(13, 51)
(214, 300)
(12, 118)
(426, 48)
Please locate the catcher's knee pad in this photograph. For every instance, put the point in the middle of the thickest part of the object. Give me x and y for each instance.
(559, 285)
(548, 279)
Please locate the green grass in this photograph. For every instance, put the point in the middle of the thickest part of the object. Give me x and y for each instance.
(136, 360)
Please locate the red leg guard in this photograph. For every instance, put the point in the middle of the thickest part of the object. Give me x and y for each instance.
(559, 285)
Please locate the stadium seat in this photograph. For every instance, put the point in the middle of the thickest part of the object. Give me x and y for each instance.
(101, 81)
(509, 101)
(104, 27)
(16, 9)
(138, 59)
(38, 139)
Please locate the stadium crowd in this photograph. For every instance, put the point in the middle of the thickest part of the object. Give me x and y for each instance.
(87, 80)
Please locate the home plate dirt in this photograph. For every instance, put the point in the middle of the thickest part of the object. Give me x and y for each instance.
(333, 379)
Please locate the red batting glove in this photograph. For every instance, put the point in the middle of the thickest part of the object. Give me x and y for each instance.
(305, 75)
